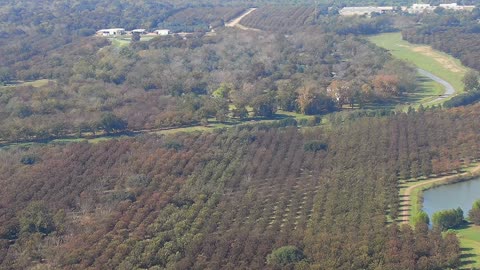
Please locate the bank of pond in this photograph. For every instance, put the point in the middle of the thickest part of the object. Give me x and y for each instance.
(461, 194)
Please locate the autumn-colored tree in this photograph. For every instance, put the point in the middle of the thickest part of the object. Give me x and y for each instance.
(342, 92)
(386, 85)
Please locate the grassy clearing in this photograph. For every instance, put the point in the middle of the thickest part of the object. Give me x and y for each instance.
(125, 40)
(470, 244)
(424, 57)
(37, 83)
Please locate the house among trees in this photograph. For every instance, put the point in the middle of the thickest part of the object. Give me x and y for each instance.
(111, 32)
(162, 32)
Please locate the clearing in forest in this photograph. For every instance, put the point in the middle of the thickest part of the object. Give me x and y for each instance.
(424, 57)
(236, 22)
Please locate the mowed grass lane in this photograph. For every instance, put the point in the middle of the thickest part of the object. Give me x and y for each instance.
(438, 63)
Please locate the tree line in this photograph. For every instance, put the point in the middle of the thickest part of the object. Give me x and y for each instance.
(172, 82)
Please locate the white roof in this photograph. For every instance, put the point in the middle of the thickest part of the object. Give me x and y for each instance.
(421, 5)
(111, 29)
(449, 5)
(138, 30)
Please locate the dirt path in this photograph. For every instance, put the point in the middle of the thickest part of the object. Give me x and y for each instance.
(405, 213)
(236, 22)
(449, 89)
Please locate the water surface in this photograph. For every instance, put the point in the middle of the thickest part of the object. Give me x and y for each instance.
(461, 195)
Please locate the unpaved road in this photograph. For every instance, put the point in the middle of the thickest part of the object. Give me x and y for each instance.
(236, 22)
(449, 90)
(405, 213)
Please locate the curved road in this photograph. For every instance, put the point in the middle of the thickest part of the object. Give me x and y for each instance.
(449, 90)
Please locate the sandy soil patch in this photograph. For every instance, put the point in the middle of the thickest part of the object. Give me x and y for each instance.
(444, 61)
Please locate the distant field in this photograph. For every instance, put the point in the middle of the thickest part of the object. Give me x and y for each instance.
(424, 57)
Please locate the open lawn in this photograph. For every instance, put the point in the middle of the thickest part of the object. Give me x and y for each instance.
(438, 63)
(470, 243)
(125, 40)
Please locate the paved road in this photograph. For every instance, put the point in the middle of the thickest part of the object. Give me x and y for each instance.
(449, 90)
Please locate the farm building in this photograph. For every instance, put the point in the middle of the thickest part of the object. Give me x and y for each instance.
(419, 8)
(111, 32)
(351, 11)
(140, 31)
(162, 32)
(455, 6)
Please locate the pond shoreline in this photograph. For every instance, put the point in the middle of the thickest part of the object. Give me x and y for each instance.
(414, 194)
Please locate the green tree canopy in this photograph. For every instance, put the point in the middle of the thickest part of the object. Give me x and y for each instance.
(447, 219)
(421, 217)
(471, 81)
(264, 105)
(474, 213)
(36, 218)
(112, 123)
(284, 256)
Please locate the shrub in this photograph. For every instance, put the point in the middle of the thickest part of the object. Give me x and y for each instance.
(448, 219)
(314, 146)
(474, 213)
(421, 217)
(29, 159)
(284, 256)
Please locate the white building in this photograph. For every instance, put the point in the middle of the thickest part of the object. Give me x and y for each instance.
(111, 32)
(162, 32)
(455, 6)
(140, 31)
(351, 11)
(419, 8)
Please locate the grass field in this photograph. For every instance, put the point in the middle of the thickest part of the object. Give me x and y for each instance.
(470, 243)
(440, 64)
(125, 41)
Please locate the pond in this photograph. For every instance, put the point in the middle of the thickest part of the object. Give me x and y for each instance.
(461, 195)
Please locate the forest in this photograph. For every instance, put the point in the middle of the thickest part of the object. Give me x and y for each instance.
(258, 192)
(290, 18)
(169, 81)
(232, 198)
